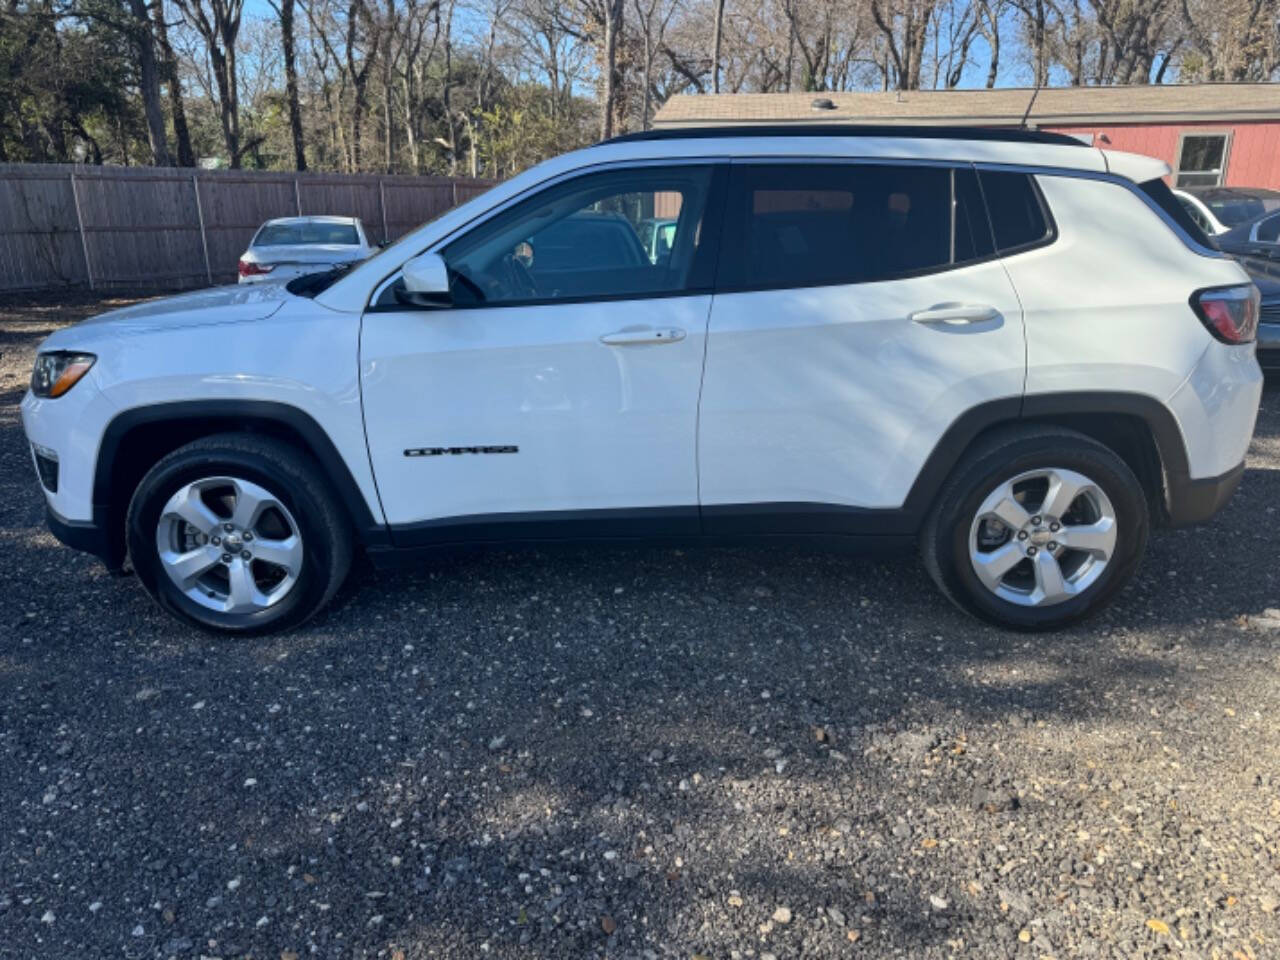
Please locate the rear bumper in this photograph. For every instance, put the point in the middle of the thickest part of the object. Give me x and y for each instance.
(1196, 501)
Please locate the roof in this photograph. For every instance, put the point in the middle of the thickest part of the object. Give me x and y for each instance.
(1149, 103)
(314, 218)
(897, 131)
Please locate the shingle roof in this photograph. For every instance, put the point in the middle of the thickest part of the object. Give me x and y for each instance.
(1165, 103)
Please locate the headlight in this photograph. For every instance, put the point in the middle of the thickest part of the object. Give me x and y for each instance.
(59, 371)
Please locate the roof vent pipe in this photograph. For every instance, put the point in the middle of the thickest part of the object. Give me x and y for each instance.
(822, 103)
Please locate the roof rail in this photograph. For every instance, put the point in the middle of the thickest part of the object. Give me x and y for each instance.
(896, 131)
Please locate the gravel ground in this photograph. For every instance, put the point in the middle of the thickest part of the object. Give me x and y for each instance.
(638, 754)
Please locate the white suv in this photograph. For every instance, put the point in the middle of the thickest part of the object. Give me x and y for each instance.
(1011, 349)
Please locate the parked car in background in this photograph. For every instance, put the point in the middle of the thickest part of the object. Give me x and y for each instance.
(290, 247)
(1265, 273)
(1257, 238)
(868, 337)
(1218, 209)
(658, 237)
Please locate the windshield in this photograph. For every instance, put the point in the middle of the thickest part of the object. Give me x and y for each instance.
(1235, 209)
(285, 234)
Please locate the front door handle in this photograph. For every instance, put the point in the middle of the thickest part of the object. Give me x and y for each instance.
(646, 335)
(955, 314)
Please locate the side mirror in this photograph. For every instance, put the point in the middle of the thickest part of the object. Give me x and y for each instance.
(426, 281)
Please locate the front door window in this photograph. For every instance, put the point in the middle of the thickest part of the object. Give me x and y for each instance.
(629, 233)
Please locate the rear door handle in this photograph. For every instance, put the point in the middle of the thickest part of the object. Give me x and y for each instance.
(955, 314)
(647, 335)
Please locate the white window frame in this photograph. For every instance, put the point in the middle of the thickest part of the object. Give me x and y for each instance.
(1227, 136)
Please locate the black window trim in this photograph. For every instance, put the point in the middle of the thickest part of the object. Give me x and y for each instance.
(722, 161)
(941, 164)
(714, 213)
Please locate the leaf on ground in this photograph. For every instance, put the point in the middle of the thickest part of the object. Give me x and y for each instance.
(608, 924)
(1159, 926)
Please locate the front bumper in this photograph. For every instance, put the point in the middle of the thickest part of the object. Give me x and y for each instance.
(1196, 501)
(90, 536)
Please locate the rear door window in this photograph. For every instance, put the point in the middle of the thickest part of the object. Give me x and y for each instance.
(799, 225)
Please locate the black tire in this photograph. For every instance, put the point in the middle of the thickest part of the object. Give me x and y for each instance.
(288, 474)
(944, 541)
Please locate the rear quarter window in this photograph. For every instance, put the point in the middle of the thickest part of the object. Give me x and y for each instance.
(1158, 192)
(1019, 218)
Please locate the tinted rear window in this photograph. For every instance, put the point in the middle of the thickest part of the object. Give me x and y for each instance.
(793, 225)
(1018, 216)
(283, 234)
(1167, 201)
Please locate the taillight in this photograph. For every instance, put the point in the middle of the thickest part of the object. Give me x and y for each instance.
(249, 268)
(1230, 313)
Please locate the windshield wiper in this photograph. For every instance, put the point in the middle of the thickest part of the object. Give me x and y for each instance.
(311, 284)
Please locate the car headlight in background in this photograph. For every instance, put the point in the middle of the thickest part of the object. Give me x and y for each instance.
(58, 371)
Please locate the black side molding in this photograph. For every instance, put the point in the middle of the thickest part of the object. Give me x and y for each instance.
(639, 523)
(1196, 501)
(91, 536)
(1164, 428)
(240, 413)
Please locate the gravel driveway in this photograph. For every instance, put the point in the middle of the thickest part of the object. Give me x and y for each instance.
(640, 753)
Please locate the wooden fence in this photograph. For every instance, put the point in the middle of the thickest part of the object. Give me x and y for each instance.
(167, 228)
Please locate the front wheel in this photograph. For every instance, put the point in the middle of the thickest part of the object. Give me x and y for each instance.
(239, 534)
(1038, 528)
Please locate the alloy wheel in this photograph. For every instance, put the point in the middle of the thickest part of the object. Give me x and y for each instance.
(1042, 537)
(229, 545)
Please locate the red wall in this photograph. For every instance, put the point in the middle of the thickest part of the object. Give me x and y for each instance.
(1254, 160)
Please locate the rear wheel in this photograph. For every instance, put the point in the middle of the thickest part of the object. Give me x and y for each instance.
(1038, 528)
(238, 534)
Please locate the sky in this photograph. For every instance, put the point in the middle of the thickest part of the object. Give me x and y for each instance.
(1014, 71)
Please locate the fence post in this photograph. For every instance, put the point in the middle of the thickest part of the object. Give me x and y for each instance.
(297, 195)
(204, 241)
(84, 241)
(454, 183)
(382, 202)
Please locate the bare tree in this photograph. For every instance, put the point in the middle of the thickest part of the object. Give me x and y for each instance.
(181, 132)
(285, 14)
(613, 11)
(149, 82)
(218, 23)
(717, 38)
(905, 26)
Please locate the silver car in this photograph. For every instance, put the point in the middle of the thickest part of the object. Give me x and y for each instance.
(290, 247)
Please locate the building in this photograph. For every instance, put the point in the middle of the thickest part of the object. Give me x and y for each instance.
(1210, 134)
